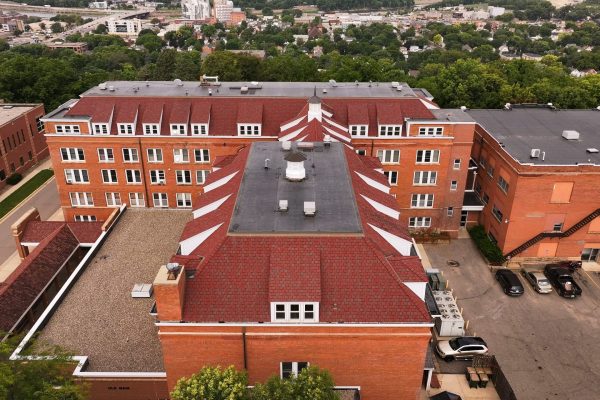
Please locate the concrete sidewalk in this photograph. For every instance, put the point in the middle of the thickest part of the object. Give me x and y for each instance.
(8, 190)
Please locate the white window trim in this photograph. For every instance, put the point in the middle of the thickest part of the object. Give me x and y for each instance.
(203, 160)
(423, 174)
(133, 182)
(105, 151)
(123, 129)
(131, 150)
(359, 130)
(113, 199)
(176, 129)
(433, 152)
(422, 198)
(101, 129)
(254, 129)
(431, 131)
(155, 152)
(186, 196)
(110, 181)
(390, 175)
(205, 173)
(68, 129)
(72, 157)
(453, 185)
(185, 173)
(179, 158)
(159, 180)
(149, 128)
(391, 152)
(287, 311)
(76, 176)
(85, 203)
(294, 367)
(165, 198)
(419, 222)
(388, 130)
(84, 218)
(456, 165)
(139, 198)
(200, 127)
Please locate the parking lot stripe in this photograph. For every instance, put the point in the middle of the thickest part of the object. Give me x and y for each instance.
(591, 278)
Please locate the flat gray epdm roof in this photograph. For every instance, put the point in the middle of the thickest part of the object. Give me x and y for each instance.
(327, 183)
(522, 129)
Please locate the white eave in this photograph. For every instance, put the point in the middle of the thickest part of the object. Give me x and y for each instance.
(401, 245)
(220, 182)
(373, 183)
(390, 212)
(210, 207)
(190, 244)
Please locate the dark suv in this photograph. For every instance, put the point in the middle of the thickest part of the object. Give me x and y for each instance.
(510, 282)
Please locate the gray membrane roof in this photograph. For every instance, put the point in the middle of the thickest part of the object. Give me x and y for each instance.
(523, 129)
(327, 183)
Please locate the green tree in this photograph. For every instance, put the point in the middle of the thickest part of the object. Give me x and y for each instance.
(56, 27)
(151, 42)
(4, 45)
(311, 383)
(212, 383)
(101, 29)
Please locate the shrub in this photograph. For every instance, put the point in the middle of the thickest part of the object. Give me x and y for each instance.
(14, 179)
(488, 248)
(212, 383)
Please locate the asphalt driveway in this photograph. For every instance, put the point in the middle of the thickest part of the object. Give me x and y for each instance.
(548, 347)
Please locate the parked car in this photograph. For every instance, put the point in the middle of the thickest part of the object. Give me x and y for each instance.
(510, 282)
(461, 348)
(537, 280)
(571, 265)
(562, 280)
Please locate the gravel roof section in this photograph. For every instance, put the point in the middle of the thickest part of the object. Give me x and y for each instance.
(98, 318)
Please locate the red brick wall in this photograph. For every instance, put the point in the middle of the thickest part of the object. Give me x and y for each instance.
(387, 363)
(126, 389)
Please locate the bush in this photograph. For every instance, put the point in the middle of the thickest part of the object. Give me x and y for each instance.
(14, 179)
(488, 248)
(212, 383)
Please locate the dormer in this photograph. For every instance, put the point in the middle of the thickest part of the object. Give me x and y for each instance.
(301, 312)
(102, 120)
(358, 120)
(126, 117)
(200, 119)
(179, 118)
(389, 120)
(152, 115)
(249, 119)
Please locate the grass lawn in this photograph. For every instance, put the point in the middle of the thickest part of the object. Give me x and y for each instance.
(25, 190)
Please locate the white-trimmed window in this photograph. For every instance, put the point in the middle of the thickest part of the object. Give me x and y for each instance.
(184, 177)
(113, 199)
(422, 201)
(68, 129)
(84, 218)
(178, 129)
(39, 124)
(497, 213)
(249, 129)
(483, 163)
(390, 130)
(425, 178)
(431, 131)
(456, 164)
(100, 129)
(181, 155)
(450, 211)
(199, 129)
(201, 176)
(419, 222)
(72, 154)
(392, 177)
(361, 152)
(202, 155)
(77, 176)
(130, 155)
(151, 129)
(490, 171)
(133, 176)
(358, 130)
(294, 312)
(109, 176)
(428, 156)
(155, 155)
(106, 155)
(389, 156)
(157, 177)
(81, 199)
(125, 129)
(453, 185)
(136, 200)
(503, 184)
(160, 200)
(184, 200)
(291, 369)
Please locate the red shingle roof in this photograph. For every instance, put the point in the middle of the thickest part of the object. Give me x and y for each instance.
(388, 113)
(85, 232)
(180, 112)
(358, 114)
(295, 273)
(250, 112)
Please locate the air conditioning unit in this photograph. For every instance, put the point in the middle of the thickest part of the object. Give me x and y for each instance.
(69, 181)
(310, 208)
(535, 153)
(161, 181)
(283, 205)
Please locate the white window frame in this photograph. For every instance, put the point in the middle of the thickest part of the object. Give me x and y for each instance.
(184, 200)
(151, 129)
(358, 130)
(113, 199)
(419, 222)
(431, 131)
(389, 156)
(39, 124)
(422, 200)
(178, 129)
(155, 155)
(136, 199)
(126, 129)
(295, 370)
(133, 176)
(157, 177)
(453, 185)
(132, 154)
(68, 129)
(201, 175)
(450, 211)
(199, 129)
(390, 130)
(84, 218)
(456, 164)
(287, 306)
(81, 199)
(72, 154)
(495, 212)
(79, 176)
(100, 129)
(202, 155)
(181, 156)
(425, 178)
(106, 155)
(392, 177)
(183, 177)
(503, 184)
(160, 200)
(109, 176)
(361, 152)
(432, 154)
(249, 129)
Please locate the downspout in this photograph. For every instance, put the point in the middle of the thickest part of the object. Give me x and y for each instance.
(145, 178)
(244, 348)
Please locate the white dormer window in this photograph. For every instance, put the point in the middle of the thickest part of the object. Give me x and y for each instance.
(178, 129)
(125, 129)
(100, 129)
(358, 130)
(249, 129)
(295, 312)
(200, 129)
(68, 129)
(431, 131)
(390, 130)
(151, 129)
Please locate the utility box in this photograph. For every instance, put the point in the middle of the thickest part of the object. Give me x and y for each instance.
(451, 322)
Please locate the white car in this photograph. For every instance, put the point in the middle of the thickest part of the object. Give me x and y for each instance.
(538, 281)
(461, 348)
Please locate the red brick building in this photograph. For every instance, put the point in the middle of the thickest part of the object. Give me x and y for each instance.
(152, 144)
(538, 173)
(22, 135)
(327, 278)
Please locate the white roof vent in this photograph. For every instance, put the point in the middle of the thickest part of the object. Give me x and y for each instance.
(287, 145)
(7, 107)
(395, 84)
(141, 290)
(592, 150)
(295, 167)
(535, 153)
(570, 135)
(102, 86)
(283, 205)
(244, 89)
(310, 208)
(178, 82)
(111, 88)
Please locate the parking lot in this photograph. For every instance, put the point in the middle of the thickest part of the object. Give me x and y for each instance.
(548, 346)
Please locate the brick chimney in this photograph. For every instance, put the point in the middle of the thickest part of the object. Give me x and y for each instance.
(169, 292)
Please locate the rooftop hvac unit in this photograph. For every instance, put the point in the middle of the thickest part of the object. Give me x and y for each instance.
(451, 322)
(178, 82)
(244, 89)
(570, 135)
(141, 290)
(395, 84)
(310, 208)
(535, 153)
(592, 150)
(111, 88)
(283, 205)
(102, 86)
(287, 145)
